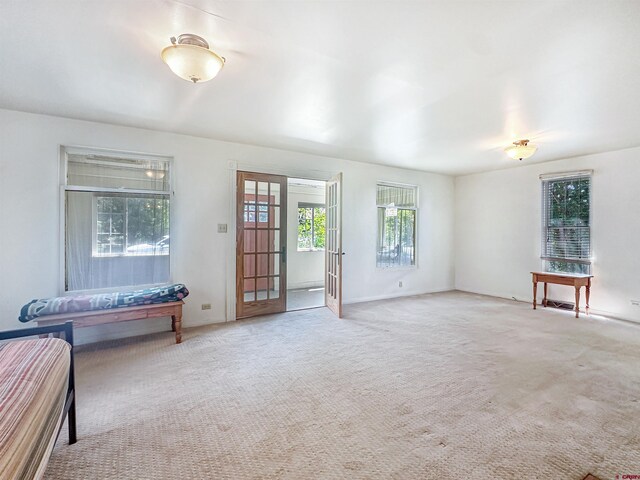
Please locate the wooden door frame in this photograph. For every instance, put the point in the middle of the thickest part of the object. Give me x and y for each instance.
(257, 167)
(246, 309)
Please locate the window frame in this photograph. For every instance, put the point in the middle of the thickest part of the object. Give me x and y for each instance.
(63, 152)
(312, 206)
(94, 227)
(546, 180)
(416, 229)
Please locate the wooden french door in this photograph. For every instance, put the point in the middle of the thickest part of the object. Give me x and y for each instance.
(333, 245)
(261, 244)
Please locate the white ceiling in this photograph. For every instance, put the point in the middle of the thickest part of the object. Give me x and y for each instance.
(440, 86)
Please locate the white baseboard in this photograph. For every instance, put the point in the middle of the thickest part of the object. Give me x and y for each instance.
(592, 311)
(301, 285)
(388, 296)
(202, 323)
(133, 328)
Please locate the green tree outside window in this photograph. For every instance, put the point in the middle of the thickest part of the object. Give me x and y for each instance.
(566, 229)
(311, 227)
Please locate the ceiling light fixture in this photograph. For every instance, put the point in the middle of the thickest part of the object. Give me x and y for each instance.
(189, 57)
(155, 174)
(521, 149)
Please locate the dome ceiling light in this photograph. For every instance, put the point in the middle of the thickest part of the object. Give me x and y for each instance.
(521, 149)
(189, 57)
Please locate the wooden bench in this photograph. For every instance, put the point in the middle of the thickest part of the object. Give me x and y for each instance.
(121, 314)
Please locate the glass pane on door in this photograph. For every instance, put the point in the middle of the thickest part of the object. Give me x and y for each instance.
(274, 288)
(274, 240)
(263, 241)
(263, 265)
(274, 194)
(261, 224)
(249, 189)
(274, 264)
(249, 241)
(249, 289)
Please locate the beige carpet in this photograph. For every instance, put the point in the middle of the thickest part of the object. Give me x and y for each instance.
(443, 386)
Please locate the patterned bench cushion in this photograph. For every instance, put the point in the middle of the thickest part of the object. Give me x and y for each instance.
(102, 301)
(33, 387)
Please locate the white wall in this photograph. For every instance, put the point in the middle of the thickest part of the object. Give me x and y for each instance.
(304, 268)
(30, 221)
(498, 228)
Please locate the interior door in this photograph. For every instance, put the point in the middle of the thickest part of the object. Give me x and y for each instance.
(333, 247)
(261, 250)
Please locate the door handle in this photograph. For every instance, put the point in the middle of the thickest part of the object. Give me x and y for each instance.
(283, 252)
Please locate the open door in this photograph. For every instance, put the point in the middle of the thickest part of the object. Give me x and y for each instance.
(333, 247)
(261, 244)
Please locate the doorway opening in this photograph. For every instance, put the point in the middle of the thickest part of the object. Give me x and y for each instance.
(288, 246)
(306, 229)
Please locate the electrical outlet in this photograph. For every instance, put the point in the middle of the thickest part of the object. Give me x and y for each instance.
(635, 303)
(206, 306)
(222, 228)
(400, 283)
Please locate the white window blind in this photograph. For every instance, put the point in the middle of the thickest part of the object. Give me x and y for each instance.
(566, 223)
(117, 220)
(105, 172)
(397, 211)
(396, 196)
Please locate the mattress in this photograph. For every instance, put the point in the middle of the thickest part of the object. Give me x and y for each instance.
(102, 301)
(34, 377)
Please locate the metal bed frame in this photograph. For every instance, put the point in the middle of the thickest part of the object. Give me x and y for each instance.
(65, 329)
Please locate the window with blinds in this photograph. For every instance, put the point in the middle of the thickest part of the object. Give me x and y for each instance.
(566, 224)
(397, 212)
(117, 217)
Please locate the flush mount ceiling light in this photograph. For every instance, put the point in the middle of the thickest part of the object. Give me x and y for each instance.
(189, 57)
(521, 149)
(155, 174)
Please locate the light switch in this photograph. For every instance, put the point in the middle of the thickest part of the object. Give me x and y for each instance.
(222, 228)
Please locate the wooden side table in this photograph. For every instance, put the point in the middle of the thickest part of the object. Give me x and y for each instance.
(576, 280)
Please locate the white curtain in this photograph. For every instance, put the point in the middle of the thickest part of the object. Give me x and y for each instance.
(117, 222)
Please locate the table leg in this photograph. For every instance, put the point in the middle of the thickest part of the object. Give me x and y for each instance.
(588, 292)
(42, 335)
(577, 302)
(544, 300)
(177, 321)
(173, 323)
(535, 293)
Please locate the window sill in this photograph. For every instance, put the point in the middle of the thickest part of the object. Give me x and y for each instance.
(125, 288)
(129, 255)
(398, 268)
(310, 250)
